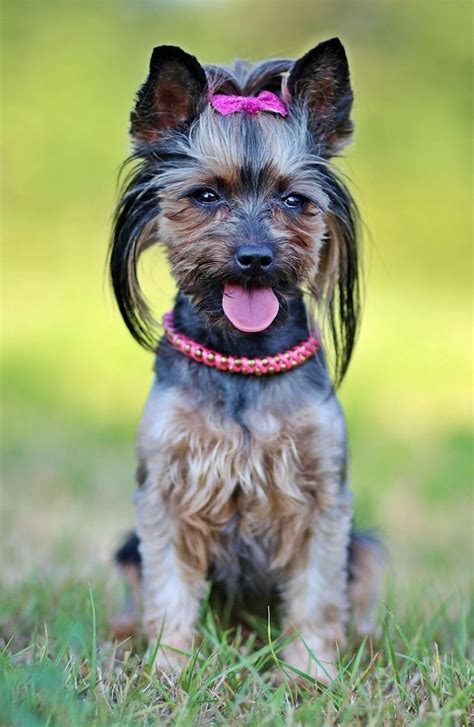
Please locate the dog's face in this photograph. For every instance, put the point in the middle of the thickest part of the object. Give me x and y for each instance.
(245, 204)
(242, 214)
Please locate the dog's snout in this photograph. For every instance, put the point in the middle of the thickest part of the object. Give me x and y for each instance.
(254, 258)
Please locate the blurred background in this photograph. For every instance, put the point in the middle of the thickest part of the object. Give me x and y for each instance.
(73, 380)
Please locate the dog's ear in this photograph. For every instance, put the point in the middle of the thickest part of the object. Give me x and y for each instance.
(172, 95)
(319, 81)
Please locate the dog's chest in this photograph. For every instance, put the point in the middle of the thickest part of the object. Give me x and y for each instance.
(263, 469)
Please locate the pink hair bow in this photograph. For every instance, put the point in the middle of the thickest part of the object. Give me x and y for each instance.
(265, 101)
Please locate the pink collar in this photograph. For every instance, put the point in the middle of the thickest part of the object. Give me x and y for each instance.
(258, 366)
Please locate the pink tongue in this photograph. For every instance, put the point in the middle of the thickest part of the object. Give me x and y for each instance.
(249, 310)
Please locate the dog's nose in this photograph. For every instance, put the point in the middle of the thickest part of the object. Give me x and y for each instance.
(254, 258)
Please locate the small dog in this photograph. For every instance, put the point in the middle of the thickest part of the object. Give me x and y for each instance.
(241, 450)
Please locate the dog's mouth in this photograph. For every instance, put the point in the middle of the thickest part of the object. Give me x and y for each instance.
(249, 309)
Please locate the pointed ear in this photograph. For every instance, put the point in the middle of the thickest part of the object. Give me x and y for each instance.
(172, 95)
(319, 81)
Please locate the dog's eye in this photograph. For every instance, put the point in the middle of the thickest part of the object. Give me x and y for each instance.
(205, 196)
(295, 201)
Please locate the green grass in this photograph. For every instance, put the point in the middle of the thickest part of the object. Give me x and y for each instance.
(67, 672)
(68, 502)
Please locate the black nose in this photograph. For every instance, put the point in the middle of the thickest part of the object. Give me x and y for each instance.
(256, 259)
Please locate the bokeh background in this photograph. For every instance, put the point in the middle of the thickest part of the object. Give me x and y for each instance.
(73, 380)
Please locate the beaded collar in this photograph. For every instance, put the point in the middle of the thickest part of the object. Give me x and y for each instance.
(284, 361)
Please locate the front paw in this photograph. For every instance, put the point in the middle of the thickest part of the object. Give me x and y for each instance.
(171, 653)
(311, 656)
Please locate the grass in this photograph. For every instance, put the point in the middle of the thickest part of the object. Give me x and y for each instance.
(59, 666)
(67, 672)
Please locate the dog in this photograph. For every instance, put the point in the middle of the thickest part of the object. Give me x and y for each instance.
(242, 455)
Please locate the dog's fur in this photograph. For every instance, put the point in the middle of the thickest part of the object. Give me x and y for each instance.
(242, 480)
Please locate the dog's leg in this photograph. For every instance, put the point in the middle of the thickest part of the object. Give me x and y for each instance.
(316, 594)
(171, 589)
(367, 559)
(127, 622)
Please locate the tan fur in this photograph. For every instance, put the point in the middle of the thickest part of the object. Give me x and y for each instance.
(283, 479)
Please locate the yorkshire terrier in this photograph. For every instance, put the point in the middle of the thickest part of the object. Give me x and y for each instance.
(242, 455)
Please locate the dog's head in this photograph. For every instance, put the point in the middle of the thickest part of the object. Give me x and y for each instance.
(247, 205)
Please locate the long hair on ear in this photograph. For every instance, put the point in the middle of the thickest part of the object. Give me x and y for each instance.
(134, 229)
(168, 101)
(336, 286)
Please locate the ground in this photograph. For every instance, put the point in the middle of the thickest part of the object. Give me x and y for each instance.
(64, 513)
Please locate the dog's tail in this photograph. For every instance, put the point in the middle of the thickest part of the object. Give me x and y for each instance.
(367, 558)
(128, 555)
(128, 559)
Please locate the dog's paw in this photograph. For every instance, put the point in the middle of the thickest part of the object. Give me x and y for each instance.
(312, 659)
(172, 653)
(124, 626)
